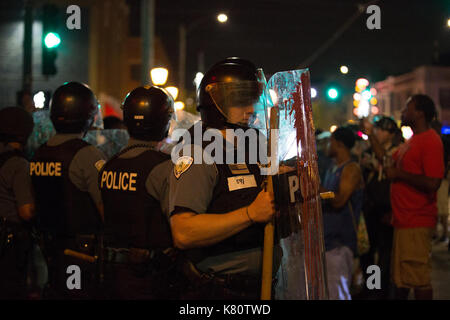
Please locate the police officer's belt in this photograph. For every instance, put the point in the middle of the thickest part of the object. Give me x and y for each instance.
(128, 255)
(230, 281)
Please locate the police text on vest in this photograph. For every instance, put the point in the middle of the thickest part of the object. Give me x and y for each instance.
(119, 180)
(45, 169)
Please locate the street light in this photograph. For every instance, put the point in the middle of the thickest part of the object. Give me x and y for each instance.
(344, 69)
(222, 18)
(179, 105)
(159, 76)
(184, 31)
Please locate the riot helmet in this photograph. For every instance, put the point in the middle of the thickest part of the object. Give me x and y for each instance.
(229, 92)
(73, 108)
(147, 112)
(16, 125)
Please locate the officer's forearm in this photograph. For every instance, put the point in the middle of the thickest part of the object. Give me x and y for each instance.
(190, 230)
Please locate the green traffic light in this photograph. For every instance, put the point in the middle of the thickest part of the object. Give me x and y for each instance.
(332, 93)
(52, 40)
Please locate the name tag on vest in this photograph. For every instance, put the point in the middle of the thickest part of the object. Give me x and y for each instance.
(241, 182)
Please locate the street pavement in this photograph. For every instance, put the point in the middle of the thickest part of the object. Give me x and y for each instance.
(440, 275)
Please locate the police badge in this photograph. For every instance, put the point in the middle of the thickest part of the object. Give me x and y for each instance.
(182, 165)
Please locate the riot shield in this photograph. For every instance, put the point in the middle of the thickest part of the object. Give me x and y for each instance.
(298, 228)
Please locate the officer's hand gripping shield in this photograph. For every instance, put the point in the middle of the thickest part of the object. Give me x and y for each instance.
(298, 226)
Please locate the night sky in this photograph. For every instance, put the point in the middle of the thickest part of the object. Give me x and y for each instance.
(281, 34)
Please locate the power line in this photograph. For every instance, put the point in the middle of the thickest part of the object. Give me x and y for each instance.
(336, 35)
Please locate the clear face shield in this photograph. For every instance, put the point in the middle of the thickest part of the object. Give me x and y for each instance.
(242, 103)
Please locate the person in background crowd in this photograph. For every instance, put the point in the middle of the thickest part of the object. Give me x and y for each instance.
(16, 202)
(442, 193)
(416, 174)
(341, 214)
(377, 205)
(323, 160)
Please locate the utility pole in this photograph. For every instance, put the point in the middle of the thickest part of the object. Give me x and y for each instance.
(182, 61)
(148, 37)
(27, 47)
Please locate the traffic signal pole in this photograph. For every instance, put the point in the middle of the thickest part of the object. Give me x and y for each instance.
(148, 39)
(27, 47)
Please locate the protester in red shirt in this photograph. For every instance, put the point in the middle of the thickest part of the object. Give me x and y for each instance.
(416, 175)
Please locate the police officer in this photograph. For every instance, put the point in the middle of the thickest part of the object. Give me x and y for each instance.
(134, 186)
(218, 210)
(16, 202)
(64, 171)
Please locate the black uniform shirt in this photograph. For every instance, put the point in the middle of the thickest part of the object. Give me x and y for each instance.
(15, 185)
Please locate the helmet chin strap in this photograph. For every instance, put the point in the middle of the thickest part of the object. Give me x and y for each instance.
(236, 126)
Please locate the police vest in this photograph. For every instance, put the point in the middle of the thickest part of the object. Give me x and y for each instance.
(62, 209)
(228, 196)
(133, 218)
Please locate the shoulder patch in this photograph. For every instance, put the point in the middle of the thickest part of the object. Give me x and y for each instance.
(99, 164)
(182, 165)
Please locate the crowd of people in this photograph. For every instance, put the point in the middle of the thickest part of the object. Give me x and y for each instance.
(401, 190)
(139, 226)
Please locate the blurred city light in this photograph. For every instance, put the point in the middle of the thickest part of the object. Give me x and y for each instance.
(366, 95)
(357, 97)
(39, 100)
(198, 78)
(344, 69)
(179, 105)
(222, 18)
(159, 76)
(373, 101)
(313, 93)
(52, 40)
(407, 132)
(448, 22)
(375, 110)
(373, 91)
(333, 128)
(361, 82)
(173, 92)
(332, 93)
